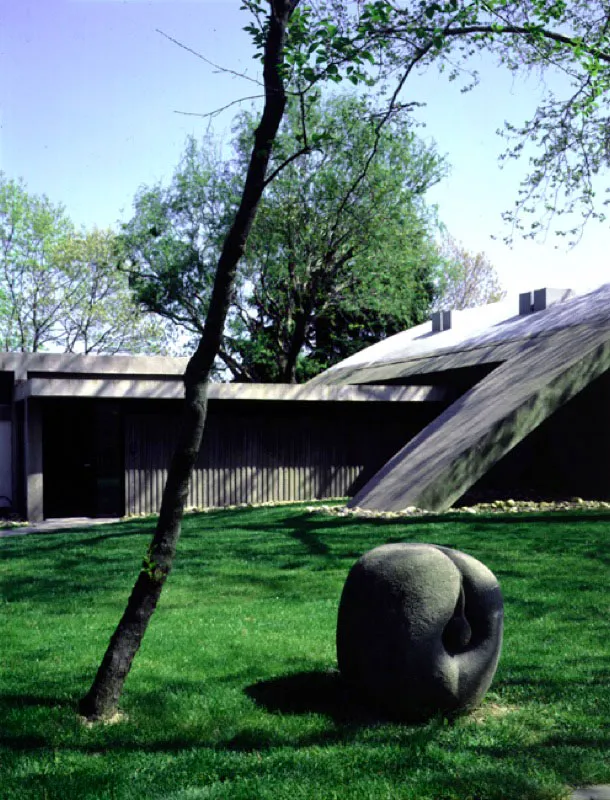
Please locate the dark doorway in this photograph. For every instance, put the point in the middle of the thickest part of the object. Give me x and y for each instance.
(82, 459)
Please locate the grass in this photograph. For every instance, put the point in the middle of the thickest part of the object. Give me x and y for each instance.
(231, 695)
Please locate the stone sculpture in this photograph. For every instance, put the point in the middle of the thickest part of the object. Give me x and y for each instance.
(419, 630)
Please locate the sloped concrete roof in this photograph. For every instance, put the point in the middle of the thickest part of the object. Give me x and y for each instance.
(545, 359)
(488, 334)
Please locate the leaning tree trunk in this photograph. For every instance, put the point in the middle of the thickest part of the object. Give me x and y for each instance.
(103, 697)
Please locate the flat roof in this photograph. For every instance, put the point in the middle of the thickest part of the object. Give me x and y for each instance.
(149, 389)
(23, 364)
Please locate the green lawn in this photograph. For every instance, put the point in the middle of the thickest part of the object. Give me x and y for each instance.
(231, 695)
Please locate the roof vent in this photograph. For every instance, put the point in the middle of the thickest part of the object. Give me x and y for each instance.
(441, 321)
(540, 299)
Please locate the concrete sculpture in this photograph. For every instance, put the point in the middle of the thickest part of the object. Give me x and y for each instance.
(419, 630)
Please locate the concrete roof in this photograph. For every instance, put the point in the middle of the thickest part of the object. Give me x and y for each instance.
(542, 360)
(47, 375)
(448, 456)
(491, 333)
(24, 364)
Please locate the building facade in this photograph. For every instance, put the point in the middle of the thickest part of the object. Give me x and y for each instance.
(507, 400)
(92, 436)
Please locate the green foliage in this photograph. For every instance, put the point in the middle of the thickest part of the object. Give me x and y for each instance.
(319, 46)
(100, 316)
(60, 288)
(251, 603)
(170, 247)
(32, 231)
(340, 255)
(568, 39)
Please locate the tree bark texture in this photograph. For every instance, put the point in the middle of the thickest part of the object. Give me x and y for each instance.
(103, 697)
(295, 345)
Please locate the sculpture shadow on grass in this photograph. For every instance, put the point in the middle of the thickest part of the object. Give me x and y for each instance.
(316, 692)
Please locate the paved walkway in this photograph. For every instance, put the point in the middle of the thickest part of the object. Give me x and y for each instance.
(52, 525)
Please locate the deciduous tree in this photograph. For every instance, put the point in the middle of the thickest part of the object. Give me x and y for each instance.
(331, 263)
(101, 316)
(60, 288)
(466, 279)
(332, 45)
(103, 697)
(334, 263)
(32, 230)
(566, 139)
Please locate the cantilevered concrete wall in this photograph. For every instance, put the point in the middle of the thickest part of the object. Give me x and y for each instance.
(566, 456)
(442, 462)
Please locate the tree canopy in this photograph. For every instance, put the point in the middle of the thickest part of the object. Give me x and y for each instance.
(569, 130)
(59, 287)
(333, 262)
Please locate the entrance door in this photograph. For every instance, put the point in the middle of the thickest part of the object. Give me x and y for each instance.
(82, 459)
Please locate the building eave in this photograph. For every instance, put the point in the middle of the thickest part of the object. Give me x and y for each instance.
(148, 389)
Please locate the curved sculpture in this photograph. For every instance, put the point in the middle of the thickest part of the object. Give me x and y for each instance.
(419, 630)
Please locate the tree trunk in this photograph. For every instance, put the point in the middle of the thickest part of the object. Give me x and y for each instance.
(103, 697)
(295, 346)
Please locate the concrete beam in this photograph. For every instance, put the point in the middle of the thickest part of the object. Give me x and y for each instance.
(445, 459)
(105, 388)
(100, 388)
(22, 364)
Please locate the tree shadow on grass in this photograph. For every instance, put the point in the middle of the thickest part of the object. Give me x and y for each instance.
(315, 692)
(12, 701)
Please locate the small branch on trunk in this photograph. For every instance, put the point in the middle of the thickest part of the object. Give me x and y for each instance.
(219, 110)
(207, 60)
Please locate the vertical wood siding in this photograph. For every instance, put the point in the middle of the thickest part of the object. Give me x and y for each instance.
(254, 458)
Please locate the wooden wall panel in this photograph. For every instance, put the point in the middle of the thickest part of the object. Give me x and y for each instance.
(260, 457)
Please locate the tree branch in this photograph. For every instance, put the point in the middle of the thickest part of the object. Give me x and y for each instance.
(221, 109)
(207, 60)
(302, 152)
(521, 30)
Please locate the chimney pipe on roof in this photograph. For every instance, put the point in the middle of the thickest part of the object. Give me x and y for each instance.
(441, 321)
(540, 299)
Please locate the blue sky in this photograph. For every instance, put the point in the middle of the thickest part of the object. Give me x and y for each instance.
(89, 91)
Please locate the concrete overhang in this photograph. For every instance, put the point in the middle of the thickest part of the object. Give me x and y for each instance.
(145, 389)
(25, 365)
(406, 368)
